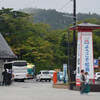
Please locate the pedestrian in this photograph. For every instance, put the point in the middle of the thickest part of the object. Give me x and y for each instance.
(87, 87)
(82, 80)
(8, 78)
(4, 73)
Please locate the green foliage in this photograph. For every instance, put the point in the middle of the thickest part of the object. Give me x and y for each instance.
(36, 43)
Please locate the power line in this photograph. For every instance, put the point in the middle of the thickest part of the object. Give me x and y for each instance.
(65, 5)
(3, 3)
(69, 8)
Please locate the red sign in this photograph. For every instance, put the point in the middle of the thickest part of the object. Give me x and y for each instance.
(77, 82)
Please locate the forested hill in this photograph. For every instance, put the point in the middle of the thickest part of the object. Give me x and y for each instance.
(36, 43)
(57, 19)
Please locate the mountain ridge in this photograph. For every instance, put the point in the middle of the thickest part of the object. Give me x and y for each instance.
(55, 19)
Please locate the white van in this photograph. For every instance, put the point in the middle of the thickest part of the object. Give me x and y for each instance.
(19, 69)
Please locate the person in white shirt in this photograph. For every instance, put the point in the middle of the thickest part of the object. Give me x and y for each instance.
(87, 87)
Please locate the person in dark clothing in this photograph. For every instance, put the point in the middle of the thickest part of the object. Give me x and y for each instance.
(9, 76)
(82, 80)
(4, 73)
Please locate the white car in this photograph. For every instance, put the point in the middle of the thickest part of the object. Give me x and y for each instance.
(43, 75)
(97, 76)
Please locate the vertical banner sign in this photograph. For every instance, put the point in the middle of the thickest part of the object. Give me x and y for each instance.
(84, 55)
(78, 59)
(87, 53)
(65, 72)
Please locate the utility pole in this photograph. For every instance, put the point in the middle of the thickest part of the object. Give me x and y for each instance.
(73, 68)
(74, 42)
(74, 11)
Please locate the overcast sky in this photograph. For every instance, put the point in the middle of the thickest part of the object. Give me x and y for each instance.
(83, 6)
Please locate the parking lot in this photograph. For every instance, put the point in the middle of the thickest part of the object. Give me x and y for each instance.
(32, 90)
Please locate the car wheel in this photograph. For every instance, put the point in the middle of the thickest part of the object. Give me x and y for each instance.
(50, 80)
(45, 80)
(15, 80)
(99, 79)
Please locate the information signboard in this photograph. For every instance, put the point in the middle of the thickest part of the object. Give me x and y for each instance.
(95, 63)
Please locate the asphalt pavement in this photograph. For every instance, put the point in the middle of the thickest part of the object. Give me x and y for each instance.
(32, 90)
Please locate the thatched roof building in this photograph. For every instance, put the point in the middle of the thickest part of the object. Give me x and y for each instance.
(5, 51)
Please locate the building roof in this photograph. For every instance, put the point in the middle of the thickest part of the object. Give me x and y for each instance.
(85, 26)
(5, 51)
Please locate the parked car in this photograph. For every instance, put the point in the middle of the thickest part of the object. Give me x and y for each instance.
(97, 76)
(43, 75)
(51, 73)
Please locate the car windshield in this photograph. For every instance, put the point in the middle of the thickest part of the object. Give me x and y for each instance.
(19, 64)
(45, 72)
(51, 72)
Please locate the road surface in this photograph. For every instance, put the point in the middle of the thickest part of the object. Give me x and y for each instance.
(32, 90)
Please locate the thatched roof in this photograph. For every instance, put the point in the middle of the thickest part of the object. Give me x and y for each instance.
(5, 51)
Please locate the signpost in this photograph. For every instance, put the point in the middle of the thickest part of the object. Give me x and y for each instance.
(96, 63)
(65, 73)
